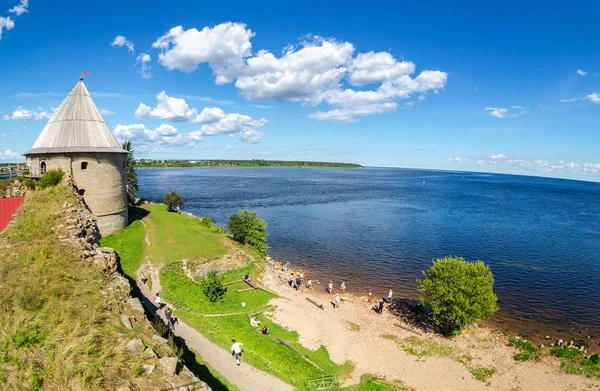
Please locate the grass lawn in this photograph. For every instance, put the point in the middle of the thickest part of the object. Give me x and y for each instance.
(129, 244)
(174, 237)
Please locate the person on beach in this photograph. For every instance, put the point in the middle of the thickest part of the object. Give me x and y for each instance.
(158, 301)
(287, 266)
(330, 287)
(236, 351)
(337, 300)
(390, 295)
(309, 284)
(381, 306)
(301, 277)
(291, 279)
(343, 287)
(298, 283)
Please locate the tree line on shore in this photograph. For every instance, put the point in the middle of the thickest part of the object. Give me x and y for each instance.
(149, 163)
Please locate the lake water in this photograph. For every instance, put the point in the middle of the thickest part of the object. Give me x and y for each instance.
(377, 228)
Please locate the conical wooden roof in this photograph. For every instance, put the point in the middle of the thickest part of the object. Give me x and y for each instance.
(77, 126)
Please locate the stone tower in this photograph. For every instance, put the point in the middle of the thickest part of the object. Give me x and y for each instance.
(78, 141)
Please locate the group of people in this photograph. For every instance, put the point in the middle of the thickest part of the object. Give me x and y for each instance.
(171, 320)
(389, 300)
(296, 282)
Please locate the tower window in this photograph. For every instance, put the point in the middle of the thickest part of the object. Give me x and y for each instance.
(84, 165)
(43, 168)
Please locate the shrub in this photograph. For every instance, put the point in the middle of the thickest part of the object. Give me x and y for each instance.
(51, 178)
(132, 181)
(528, 351)
(212, 286)
(29, 183)
(173, 200)
(247, 228)
(458, 293)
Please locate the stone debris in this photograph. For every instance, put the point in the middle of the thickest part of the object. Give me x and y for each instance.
(159, 339)
(126, 322)
(148, 369)
(168, 365)
(150, 353)
(134, 346)
(135, 303)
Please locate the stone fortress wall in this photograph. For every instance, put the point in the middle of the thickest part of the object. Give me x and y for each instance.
(100, 178)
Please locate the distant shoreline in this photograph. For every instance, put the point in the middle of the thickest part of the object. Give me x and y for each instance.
(147, 163)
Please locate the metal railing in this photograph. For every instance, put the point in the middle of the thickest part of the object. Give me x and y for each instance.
(322, 383)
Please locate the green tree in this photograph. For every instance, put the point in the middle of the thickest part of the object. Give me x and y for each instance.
(247, 228)
(173, 200)
(458, 293)
(132, 181)
(51, 178)
(212, 286)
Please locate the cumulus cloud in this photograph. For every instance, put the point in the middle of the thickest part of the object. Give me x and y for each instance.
(312, 72)
(593, 97)
(5, 24)
(164, 135)
(581, 72)
(23, 114)
(215, 121)
(8, 155)
(21, 8)
(144, 69)
(223, 47)
(121, 41)
(106, 112)
(538, 165)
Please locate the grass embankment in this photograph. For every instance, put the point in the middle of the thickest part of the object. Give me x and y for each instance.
(371, 383)
(56, 330)
(174, 237)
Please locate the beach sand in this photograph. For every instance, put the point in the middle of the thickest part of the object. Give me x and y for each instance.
(372, 342)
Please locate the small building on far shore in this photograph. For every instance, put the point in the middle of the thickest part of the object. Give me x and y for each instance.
(78, 141)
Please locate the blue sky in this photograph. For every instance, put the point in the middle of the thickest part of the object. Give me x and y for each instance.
(508, 87)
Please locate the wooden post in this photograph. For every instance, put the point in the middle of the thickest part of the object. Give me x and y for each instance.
(315, 303)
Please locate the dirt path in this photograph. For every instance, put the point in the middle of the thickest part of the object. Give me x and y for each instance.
(245, 377)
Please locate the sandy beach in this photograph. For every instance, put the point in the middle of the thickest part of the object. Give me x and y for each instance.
(375, 345)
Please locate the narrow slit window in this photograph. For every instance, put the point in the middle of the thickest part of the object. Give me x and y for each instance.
(84, 165)
(82, 192)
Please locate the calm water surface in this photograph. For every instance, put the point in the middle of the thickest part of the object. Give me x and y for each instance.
(379, 227)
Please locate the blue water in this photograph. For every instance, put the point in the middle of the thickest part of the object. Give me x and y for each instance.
(379, 227)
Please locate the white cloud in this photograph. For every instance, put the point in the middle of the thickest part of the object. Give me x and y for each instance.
(536, 165)
(593, 97)
(21, 8)
(233, 123)
(8, 155)
(223, 47)
(504, 112)
(251, 136)
(144, 70)
(6, 24)
(121, 41)
(106, 112)
(301, 74)
(312, 72)
(23, 114)
(581, 72)
(164, 135)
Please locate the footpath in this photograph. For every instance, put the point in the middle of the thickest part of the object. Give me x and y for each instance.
(245, 377)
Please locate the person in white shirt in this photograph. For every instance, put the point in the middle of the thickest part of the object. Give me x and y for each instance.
(337, 300)
(158, 302)
(254, 322)
(330, 287)
(343, 287)
(236, 350)
(309, 284)
(390, 295)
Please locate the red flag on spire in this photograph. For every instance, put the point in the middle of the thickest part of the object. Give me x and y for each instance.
(83, 74)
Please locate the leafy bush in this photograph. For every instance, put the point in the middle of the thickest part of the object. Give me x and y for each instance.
(173, 200)
(564, 352)
(132, 180)
(29, 183)
(458, 293)
(528, 351)
(212, 286)
(573, 361)
(51, 178)
(247, 228)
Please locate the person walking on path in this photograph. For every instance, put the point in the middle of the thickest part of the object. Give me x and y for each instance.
(390, 295)
(236, 351)
(330, 287)
(337, 300)
(159, 303)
